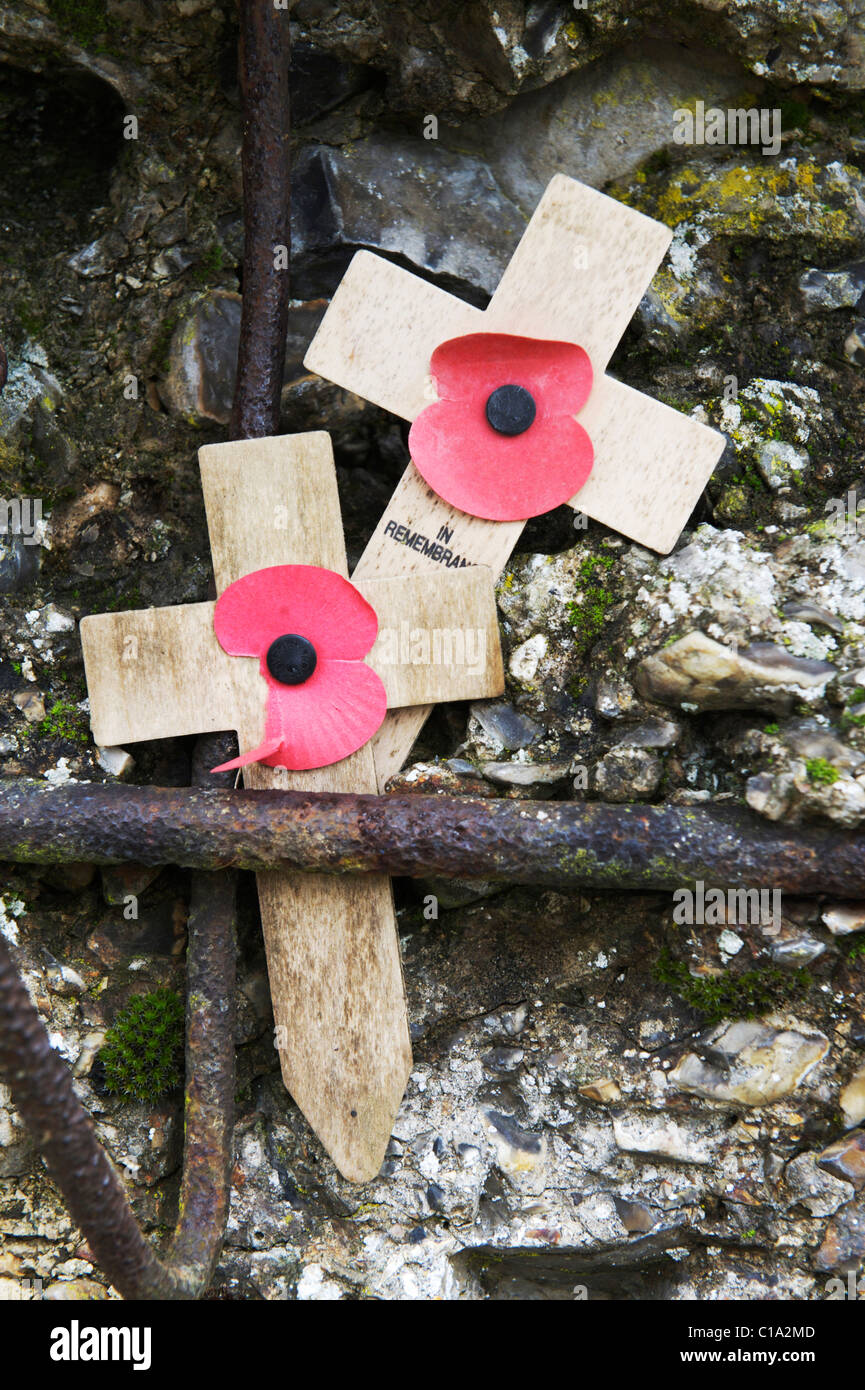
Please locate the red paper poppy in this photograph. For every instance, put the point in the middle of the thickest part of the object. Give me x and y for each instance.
(311, 630)
(535, 456)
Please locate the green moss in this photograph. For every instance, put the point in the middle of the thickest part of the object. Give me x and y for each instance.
(857, 950)
(210, 264)
(143, 1052)
(64, 720)
(730, 994)
(83, 19)
(821, 772)
(587, 617)
(794, 115)
(771, 729)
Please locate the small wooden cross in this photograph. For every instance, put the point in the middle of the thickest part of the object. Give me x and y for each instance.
(577, 275)
(332, 949)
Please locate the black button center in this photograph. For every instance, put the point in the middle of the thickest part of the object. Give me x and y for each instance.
(511, 409)
(291, 659)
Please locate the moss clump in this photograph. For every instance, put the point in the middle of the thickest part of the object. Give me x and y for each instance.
(83, 19)
(587, 618)
(143, 1051)
(211, 263)
(730, 995)
(64, 720)
(821, 772)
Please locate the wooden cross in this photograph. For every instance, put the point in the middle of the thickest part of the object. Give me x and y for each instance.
(578, 274)
(332, 949)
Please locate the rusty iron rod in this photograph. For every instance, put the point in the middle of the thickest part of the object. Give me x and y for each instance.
(41, 1086)
(264, 65)
(561, 844)
(208, 1130)
(43, 1093)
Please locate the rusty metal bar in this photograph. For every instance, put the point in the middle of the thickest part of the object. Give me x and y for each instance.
(561, 844)
(208, 1131)
(43, 1093)
(264, 62)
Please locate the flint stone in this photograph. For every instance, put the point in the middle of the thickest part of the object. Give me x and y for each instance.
(504, 724)
(453, 221)
(853, 1099)
(846, 1158)
(751, 1063)
(624, 773)
(844, 918)
(698, 671)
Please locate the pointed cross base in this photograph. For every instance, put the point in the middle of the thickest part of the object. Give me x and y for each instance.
(332, 949)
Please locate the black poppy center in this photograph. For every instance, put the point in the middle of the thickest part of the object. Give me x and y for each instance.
(291, 659)
(511, 409)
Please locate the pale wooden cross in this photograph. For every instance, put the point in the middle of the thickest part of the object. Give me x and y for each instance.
(332, 949)
(578, 274)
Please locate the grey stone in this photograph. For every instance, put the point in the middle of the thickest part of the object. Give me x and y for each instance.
(846, 1158)
(19, 564)
(504, 724)
(807, 612)
(844, 918)
(698, 671)
(854, 344)
(781, 464)
(833, 289)
(797, 950)
(750, 1063)
(654, 733)
(614, 697)
(203, 354)
(664, 1136)
(627, 773)
(517, 774)
(808, 739)
(596, 125)
(100, 257)
(814, 1187)
(852, 1098)
(453, 219)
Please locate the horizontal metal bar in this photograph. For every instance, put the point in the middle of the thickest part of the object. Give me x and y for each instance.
(561, 844)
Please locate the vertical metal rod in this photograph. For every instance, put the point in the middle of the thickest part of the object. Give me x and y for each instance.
(264, 65)
(41, 1084)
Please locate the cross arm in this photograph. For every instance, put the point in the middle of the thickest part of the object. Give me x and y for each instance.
(379, 332)
(377, 337)
(160, 673)
(651, 464)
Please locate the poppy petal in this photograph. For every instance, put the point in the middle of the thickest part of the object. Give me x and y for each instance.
(258, 755)
(494, 476)
(470, 367)
(316, 603)
(322, 721)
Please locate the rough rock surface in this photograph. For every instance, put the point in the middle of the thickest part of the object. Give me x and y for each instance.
(658, 1108)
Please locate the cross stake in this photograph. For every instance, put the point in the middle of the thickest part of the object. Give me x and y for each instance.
(651, 462)
(332, 950)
